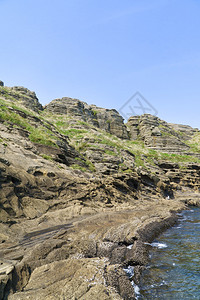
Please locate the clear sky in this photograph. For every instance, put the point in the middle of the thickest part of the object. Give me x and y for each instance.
(102, 52)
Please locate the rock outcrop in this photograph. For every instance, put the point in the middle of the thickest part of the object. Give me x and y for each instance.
(22, 96)
(106, 119)
(79, 200)
(160, 135)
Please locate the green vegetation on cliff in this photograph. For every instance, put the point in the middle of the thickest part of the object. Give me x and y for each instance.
(19, 108)
(16, 116)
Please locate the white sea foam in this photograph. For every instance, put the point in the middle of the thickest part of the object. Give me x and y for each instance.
(159, 245)
(130, 246)
(160, 284)
(179, 214)
(129, 271)
(184, 218)
(163, 283)
(148, 244)
(136, 289)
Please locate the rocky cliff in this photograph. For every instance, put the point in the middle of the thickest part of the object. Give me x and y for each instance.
(159, 135)
(106, 119)
(78, 187)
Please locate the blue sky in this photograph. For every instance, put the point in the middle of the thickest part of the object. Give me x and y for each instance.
(102, 52)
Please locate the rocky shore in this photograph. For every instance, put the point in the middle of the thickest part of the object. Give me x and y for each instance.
(78, 187)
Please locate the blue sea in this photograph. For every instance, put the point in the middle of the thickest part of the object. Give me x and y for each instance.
(174, 268)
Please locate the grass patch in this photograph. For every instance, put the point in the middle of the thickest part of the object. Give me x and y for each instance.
(47, 157)
(176, 158)
(40, 134)
(194, 147)
(81, 146)
(129, 171)
(61, 124)
(43, 136)
(7, 115)
(84, 123)
(94, 112)
(139, 162)
(73, 132)
(77, 167)
(109, 152)
(194, 143)
(90, 165)
(108, 141)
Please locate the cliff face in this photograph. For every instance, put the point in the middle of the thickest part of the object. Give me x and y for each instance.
(106, 119)
(77, 187)
(160, 135)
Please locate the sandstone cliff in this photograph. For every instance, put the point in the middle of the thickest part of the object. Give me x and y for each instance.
(77, 187)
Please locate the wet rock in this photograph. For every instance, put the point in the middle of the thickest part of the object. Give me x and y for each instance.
(117, 278)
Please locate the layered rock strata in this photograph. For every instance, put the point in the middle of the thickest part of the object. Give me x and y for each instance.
(106, 119)
(159, 135)
(77, 203)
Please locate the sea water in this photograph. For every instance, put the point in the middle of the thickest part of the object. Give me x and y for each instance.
(174, 269)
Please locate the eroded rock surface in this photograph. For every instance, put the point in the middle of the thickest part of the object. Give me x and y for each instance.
(21, 95)
(158, 134)
(106, 119)
(79, 200)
